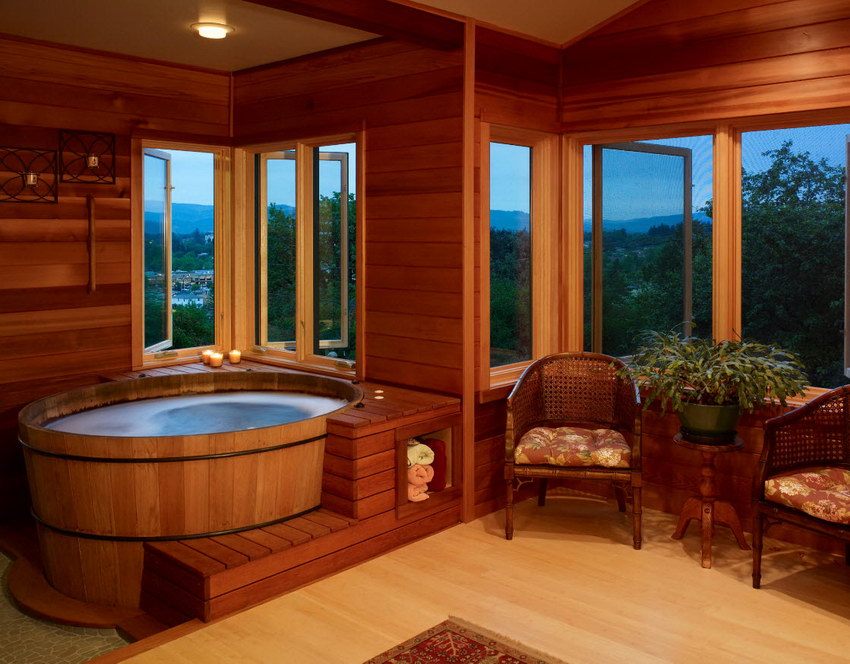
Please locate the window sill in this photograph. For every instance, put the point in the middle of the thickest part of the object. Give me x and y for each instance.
(317, 367)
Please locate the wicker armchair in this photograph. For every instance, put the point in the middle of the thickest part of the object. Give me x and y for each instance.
(579, 391)
(804, 472)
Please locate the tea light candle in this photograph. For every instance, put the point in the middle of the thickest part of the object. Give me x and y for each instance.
(205, 356)
(216, 359)
(235, 356)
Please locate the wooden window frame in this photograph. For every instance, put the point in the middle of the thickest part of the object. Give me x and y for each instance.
(726, 223)
(246, 326)
(544, 248)
(221, 254)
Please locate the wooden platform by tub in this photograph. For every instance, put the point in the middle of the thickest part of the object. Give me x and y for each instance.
(363, 513)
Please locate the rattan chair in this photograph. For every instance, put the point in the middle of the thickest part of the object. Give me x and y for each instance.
(576, 390)
(813, 438)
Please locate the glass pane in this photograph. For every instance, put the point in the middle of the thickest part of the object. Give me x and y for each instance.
(279, 298)
(653, 204)
(510, 254)
(156, 261)
(334, 249)
(793, 195)
(192, 248)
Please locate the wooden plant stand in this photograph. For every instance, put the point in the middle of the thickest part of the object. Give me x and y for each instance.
(705, 507)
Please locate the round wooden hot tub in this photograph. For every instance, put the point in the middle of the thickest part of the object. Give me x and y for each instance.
(101, 487)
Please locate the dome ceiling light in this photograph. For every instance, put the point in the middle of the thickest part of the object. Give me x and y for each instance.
(213, 30)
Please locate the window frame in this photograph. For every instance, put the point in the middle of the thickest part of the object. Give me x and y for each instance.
(726, 223)
(545, 208)
(249, 271)
(597, 246)
(222, 156)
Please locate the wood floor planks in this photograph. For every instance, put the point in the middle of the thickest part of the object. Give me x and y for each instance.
(569, 584)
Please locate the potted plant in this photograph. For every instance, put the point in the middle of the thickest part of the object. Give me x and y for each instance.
(708, 384)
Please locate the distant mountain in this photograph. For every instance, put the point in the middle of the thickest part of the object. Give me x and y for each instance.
(643, 224)
(508, 220)
(186, 217)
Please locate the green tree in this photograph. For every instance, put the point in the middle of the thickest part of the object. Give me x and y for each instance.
(793, 260)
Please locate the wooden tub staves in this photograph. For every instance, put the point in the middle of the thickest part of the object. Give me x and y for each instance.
(96, 498)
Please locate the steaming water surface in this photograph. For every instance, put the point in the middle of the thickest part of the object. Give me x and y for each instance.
(215, 412)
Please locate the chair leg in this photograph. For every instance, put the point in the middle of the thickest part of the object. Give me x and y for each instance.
(620, 492)
(758, 541)
(847, 553)
(509, 510)
(541, 491)
(636, 516)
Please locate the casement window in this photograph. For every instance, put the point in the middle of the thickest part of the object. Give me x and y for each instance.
(305, 219)
(179, 249)
(794, 255)
(518, 218)
(648, 241)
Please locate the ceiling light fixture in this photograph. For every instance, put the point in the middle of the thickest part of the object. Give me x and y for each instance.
(213, 30)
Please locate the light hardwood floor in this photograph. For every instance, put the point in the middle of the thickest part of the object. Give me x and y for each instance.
(569, 584)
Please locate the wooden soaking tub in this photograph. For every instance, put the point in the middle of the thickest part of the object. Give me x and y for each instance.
(101, 486)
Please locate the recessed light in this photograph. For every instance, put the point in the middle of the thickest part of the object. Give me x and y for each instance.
(213, 30)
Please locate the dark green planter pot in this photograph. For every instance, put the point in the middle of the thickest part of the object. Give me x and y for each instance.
(709, 424)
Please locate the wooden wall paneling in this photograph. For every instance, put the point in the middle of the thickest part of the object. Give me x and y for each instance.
(59, 335)
(662, 64)
(516, 81)
(409, 100)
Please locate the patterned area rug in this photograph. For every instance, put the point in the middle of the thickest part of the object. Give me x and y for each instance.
(458, 642)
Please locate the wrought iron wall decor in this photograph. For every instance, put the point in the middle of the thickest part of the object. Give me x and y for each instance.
(87, 156)
(27, 175)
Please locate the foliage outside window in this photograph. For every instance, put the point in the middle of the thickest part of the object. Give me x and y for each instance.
(793, 194)
(510, 254)
(306, 244)
(519, 212)
(179, 230)
(648, 238)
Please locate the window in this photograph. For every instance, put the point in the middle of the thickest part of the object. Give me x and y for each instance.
(647, 228)
(510, 254)
(305, 246)
(793, 251)
(181, 202)
(519, 206)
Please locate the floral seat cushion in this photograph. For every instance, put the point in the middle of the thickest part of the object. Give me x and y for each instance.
(823, 493)
(573, 446)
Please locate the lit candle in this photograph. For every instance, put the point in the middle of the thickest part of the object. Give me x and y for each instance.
(216, 359)
(235, 356)
(92, 161)
(205, 356)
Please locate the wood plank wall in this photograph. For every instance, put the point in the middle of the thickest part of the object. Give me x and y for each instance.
(516, 85)
(54, 334)
(671, 61)
(408, 99)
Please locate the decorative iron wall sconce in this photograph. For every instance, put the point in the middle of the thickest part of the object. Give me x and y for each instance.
(87, 157)
(27, 175)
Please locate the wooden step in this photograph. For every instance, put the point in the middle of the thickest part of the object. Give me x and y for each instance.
(178, 577)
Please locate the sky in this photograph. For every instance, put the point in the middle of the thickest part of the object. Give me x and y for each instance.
(639, 186)
(636, 185)
(192, 176)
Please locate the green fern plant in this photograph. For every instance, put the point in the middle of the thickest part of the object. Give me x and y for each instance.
(677, 370)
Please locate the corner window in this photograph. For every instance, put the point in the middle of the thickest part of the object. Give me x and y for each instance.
(648, 232)
(510, 254)
(519, 209)
(305, 281)
(180, 222)
(793, 250)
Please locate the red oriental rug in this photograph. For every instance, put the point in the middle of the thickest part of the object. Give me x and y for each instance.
(458, 642)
